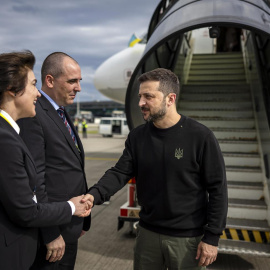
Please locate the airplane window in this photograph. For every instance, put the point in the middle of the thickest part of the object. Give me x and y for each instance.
(128, 74)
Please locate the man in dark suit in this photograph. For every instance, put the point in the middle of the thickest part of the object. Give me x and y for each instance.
(59, 156)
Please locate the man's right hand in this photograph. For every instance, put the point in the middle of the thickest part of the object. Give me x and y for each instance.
(88, 197)
(55, 249)
(82, 209)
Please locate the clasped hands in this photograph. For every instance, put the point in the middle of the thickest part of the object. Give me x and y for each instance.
(83, 205)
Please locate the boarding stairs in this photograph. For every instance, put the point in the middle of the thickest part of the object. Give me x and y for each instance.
(217, 95)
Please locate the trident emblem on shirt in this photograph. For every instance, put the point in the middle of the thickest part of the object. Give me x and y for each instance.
(179, 153)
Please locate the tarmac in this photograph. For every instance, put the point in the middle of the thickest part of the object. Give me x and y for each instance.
(105, 248)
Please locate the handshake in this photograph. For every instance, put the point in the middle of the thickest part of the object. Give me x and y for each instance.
(83, 205)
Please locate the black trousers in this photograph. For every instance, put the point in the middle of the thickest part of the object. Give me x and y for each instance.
(66, 263)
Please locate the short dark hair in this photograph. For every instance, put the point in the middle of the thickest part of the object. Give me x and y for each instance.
(53, 65)
(168, 81)
(14, 67)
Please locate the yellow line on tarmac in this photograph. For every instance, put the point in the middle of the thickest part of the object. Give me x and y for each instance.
(104, 159)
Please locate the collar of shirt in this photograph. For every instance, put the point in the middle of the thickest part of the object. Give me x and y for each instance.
(54, 104)
(10, 120)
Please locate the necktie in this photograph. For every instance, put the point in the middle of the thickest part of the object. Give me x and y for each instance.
(61, 113)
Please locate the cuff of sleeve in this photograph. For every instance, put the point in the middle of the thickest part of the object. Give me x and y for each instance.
(73, 208)
(50, 233)
(97, 198)
(210, 238)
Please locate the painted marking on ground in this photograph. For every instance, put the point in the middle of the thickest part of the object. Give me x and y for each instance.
(104, 159)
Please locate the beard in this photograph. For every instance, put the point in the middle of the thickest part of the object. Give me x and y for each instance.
(158, 115)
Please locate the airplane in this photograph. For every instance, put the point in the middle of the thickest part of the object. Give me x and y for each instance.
(112, 76)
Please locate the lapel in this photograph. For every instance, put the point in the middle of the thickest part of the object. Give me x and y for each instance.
(6, 126)
(52, 113)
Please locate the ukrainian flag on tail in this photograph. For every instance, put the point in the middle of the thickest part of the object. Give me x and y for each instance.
(133, 40)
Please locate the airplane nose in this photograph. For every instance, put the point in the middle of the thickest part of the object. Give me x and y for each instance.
(109, 82)
(112, 76)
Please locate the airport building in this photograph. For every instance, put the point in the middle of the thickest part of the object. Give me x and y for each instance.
(98, 108)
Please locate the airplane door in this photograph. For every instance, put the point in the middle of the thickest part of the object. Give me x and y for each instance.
(168, 30)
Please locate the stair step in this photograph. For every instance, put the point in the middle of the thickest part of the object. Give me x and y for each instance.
(227, 55)
(247, 209)
(243, 174)
(245, 190)
(247, 224)
(217, 77)
(254, 204)
(239, 146)
(242, 159)
(208, 66)
(243, 248)
(216, 61)
(245, 236)
(215, 70)
(217, 56)
(226, 104)
(216, 82)
(235, 134)
(246, 123)
(217, 113)
(214, 96)
(219, 88)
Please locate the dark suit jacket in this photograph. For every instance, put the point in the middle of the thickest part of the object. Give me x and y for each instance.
(18, 212)
(60, 165)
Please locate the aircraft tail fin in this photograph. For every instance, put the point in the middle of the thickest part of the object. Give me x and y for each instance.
(133, 40)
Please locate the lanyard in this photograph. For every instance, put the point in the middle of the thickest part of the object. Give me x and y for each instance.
(34, 191)
(5, 118)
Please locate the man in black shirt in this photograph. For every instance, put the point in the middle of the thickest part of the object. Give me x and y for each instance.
(180, 177)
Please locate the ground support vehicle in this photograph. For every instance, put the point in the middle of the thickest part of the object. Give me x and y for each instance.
(110, 126)
(129, 211)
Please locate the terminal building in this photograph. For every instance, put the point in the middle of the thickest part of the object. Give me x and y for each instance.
(98, 108)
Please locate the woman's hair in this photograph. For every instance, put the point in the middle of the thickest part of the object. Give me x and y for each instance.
(14, 67)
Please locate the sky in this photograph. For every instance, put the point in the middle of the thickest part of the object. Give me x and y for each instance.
(88, 30)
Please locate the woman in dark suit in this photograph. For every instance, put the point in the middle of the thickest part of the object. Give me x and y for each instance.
(20, 213)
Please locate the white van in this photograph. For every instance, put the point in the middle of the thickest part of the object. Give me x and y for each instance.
(110, 126)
